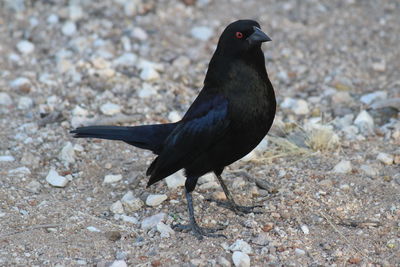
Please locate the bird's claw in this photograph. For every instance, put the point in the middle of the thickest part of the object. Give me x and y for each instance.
(198, 232)
(239, 210)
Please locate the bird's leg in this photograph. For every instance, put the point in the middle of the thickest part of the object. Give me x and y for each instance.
(230, 204)
(197, 231)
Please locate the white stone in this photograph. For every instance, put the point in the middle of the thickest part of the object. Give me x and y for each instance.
(164, 230)
(152, 221)
(130, 8)
(240, 259)
(149, 74)
(81, 112)
(34, 186)
(5, 99)
(343, 166)
(139, 33)
(385, 158)
(305, 229)
(155, 200)
(25, 47)
(372, 97)
(241, 245)
(117, 207)
(67, 154)
(206, 178)
(208, 186)
(174, 116)
(129, 219)
(201, 33)
(112, 178)
(7, 158)
(288, 102)
(369, 170)
(379, 66)
(364, 122)
(20, 83)
(56, 180)
(52, 19)
(147, 90)
(175, 180)
(125, 60)
(75, 12)
(20, 171)
(25, 103)
(69, 28)
(131, 203)
(300, 107)
(299, 252)
(119, 263)
(110, 108)
(92, 229)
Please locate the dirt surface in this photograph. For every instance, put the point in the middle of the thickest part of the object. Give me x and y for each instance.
(149, 59)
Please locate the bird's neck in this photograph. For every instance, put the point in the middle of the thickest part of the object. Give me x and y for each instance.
(221, 64)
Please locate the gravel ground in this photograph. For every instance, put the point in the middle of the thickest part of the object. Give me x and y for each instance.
(327, 176)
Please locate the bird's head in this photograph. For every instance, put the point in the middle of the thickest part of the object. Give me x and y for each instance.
(241, 36)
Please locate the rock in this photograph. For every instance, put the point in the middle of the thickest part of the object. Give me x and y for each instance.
(305, 229)
(56, 180)
(117, 207)
(110, 109)
(372, 97)
(201, 33)
(174, 116)
(30, 159)
(175, 180)
(75, 12)
(5, 99)
(261, 239)
(139, 33)
(112, 178)
(369, 170)
(53, 19)
(181, 62)
(20, 171)
(25, 47)
(25, 103)
(364, 122)
(93, 229)
(155, 200)
(379, 66)
(130, 8)
(241, 245)
(240, 259)
(131, 203)
(80, 112)
(149, 74)
(147, 90)
(129, 219)
(67, 154)
(223, 262)
(208, 186)
(125, 60)
(299, 252)
(164, 230)
(207, 178)
(152, 221)
(34, 186)
(341, 97)
(69, 28)
(119, 263)
(21, 84)
(385, 158)
(6, 158)
(343, 166)
(298, 106)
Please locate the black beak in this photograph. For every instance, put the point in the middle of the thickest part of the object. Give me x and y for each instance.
(258, 36)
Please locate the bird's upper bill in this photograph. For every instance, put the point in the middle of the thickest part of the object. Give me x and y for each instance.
(258, 36)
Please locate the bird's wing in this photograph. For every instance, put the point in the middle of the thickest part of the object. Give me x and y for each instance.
(205, 123)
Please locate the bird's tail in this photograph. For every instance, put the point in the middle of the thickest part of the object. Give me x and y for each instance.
(149, 137)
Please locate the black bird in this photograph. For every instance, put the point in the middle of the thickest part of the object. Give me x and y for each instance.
(231, 115)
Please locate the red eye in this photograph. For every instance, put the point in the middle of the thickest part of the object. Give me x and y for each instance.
(239, 35)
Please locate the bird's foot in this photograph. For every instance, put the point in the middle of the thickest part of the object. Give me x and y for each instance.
(198, 232)
(239, 210)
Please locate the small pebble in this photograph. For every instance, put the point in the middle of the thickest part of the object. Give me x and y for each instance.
(6, 158)
(113, 235)
(21, 84)
(175, 180)
(299, 252)
(223, 262)
(119, 263)
(147, 90)
(305, 229)
(34, 186)
(241, 245)
(372, 97)
(155, 200)
(67, 154)
(202, 33)
(139, 33)
(364, 122)
(56, 180)
(69, 28)
(165, 230)
(240, 259)
(369, 170)
(112, 178)
(174, 116)
(25, 47)
(5, 99)
(385, 158)
(149, 74)
(53, 19)
(92, 229)
(343, 166)
(75, 12)
(131, 203)
(110, 109)
(117, 207)
(126, 60)
(152, 221)
(25, 103)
